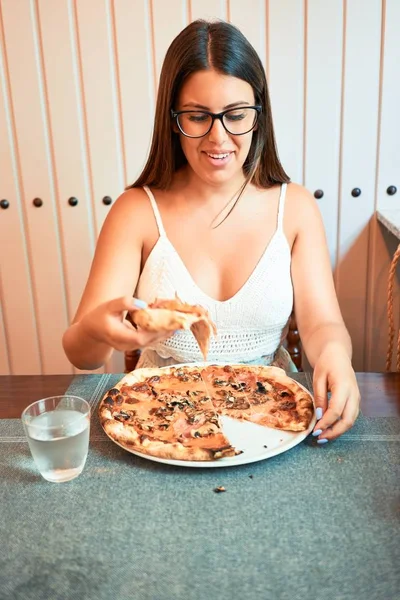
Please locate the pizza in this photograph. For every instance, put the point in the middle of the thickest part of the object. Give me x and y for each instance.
(175, 412)
(173, 314)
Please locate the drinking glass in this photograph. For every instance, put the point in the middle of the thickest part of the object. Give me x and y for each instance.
(57, 429)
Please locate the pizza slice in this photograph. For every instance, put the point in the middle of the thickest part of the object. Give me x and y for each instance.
(260, 394)
(173, 314)
(276, 400)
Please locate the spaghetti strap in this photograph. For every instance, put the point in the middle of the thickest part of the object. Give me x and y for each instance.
(281, 208)
(156, 211)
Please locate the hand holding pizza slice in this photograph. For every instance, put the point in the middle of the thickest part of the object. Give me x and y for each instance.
(172, 315)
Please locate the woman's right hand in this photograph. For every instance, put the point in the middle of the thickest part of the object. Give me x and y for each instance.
(107, 324)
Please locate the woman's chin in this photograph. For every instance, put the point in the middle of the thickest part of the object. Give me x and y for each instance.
(220, 176)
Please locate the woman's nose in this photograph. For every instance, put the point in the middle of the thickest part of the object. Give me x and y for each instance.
(217, 133)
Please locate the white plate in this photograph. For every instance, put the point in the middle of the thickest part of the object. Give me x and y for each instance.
(255, 441)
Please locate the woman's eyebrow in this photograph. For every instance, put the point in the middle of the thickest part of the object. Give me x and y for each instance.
(233, 104)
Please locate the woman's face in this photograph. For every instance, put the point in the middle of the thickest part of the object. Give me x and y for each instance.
(218, 157)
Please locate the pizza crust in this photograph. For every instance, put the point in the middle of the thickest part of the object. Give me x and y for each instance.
(304, 402)
(159, 319)
(130, 439)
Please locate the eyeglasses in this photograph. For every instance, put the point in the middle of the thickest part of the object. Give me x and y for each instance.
(236, 121)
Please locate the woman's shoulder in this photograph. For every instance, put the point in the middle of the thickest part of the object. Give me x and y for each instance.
(132, 199)
(132, 205)
(297, 194)
(302, 213)
(131, 213)
(300, 202)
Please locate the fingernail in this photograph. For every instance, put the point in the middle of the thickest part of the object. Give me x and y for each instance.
(318, 413)
(317, 432)
(323, 441)
(139, 303)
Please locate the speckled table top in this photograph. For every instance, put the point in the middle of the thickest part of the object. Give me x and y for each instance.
(390, 218)
(314, 522)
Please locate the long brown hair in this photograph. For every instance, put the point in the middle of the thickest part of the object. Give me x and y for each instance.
(200, 46)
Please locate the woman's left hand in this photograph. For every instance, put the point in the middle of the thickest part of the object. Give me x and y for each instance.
(334, 373)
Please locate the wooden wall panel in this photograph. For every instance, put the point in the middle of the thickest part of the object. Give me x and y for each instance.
(58, 36)
(166, 27)
(250, 17)
(68, 144)
(285, 21)
(17, 306)
(207, 9)
(96, 46)
(324, 25)
(358, 164)
(135, 65)
(29, 106)
(389, 143)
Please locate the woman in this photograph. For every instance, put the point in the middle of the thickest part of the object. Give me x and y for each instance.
(214, 217)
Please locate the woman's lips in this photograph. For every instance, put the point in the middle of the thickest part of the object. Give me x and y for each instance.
(218, 159)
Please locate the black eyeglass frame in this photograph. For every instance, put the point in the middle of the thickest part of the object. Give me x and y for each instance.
(214, 116)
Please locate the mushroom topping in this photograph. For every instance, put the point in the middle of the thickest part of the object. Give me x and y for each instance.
(261, 388)
(220, 382)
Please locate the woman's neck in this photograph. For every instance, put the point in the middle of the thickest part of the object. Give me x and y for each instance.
(203, 192)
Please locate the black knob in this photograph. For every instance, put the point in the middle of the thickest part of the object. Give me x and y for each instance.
(72, 201)
(318, 194)
(392, 189)
(356, 192)
(37, 202)
(107, 200)
(4, 203)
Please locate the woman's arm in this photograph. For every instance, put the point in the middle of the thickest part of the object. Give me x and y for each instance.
(317, 309)
(99, 325)
(322, 330)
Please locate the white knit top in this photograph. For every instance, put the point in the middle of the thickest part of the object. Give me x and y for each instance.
(251, 324)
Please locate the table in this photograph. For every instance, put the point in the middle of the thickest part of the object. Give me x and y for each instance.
(318, 522)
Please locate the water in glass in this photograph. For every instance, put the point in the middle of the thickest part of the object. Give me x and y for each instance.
(60, 452)
(58, 434)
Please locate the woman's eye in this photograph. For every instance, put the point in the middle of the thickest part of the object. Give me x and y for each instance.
(235, 116)
(197, 118)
